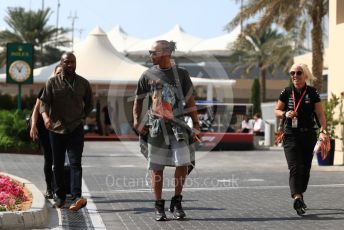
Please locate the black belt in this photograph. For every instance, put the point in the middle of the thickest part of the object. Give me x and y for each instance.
(301, 130)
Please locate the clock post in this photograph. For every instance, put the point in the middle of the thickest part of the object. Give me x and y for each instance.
(19, 66)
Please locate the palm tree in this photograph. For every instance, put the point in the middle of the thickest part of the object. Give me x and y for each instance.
(255, 99)
(31, 27)
(294, 16)
(266, 49)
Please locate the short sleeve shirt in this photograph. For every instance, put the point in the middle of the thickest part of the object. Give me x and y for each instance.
(258, 125)
(68, 104)
(246, 124)
(306, 109)
(170, 90)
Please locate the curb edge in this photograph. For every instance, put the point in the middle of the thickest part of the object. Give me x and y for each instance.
(35, 217)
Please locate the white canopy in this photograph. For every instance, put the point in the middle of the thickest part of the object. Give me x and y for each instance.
(121, 40)
(217, 83)
(100, 63)
(218, 45)
(42, 74)
(184, 41)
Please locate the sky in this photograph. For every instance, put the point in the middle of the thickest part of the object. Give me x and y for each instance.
(139, 18)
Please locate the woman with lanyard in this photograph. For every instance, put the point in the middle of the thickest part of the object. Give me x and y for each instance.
(300, 104)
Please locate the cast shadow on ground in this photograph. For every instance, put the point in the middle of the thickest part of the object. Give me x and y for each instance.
(121, 201)
(308, 216)
(323, 215)
(105, 201)
(149, 210)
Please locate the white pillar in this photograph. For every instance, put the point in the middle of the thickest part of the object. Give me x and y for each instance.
(210, 93)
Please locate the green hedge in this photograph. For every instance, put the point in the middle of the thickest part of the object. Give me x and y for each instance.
(13, 134)
(8, 102)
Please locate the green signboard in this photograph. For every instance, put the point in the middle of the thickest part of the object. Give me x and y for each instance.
(19, 63)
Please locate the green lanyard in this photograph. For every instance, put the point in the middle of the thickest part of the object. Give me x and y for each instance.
(71, 86)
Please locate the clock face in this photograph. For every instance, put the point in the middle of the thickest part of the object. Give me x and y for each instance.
(20, 71)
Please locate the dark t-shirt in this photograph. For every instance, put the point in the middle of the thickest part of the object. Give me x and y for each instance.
(306, 113)
(169, 87)
(165, 99)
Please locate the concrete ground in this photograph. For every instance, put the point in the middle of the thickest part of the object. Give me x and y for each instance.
(228, 190)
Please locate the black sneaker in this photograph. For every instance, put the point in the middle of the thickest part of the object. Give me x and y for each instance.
(59, 203)
(304, 204)
(54, 197)
(298, 206)
(160, 210)
(49, 194)
(176, 207)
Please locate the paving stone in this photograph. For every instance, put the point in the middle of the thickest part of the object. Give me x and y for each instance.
(228, 190)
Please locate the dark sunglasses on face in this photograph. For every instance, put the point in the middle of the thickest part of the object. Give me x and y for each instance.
(298, 73)
(152, 52)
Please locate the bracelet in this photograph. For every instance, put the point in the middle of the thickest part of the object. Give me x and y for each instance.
(323, 131)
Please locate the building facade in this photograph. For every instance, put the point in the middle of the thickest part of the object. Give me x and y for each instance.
(336, 70)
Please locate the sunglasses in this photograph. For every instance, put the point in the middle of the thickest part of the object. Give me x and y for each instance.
(298, 73)
(152, 52)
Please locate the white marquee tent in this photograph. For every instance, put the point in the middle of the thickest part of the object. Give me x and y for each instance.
(121, 40)
(184, 41)
(100, 63)
(218, 45)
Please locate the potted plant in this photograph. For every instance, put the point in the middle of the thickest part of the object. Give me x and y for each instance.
(331, 124)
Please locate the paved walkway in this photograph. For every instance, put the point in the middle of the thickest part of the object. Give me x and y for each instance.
(228, 190)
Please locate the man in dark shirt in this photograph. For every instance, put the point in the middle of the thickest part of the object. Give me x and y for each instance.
(66, 101)
(169, 88)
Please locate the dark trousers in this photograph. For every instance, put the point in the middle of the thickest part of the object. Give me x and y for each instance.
(298, 149)
(73, 143)
(44, 141)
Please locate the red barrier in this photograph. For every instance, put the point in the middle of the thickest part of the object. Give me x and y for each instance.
(226, 141)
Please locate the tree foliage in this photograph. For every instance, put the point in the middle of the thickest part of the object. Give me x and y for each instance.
(265, 49)
(294, 16)
(335, 104)
(32, 27)
(255, 97)
(13, 134)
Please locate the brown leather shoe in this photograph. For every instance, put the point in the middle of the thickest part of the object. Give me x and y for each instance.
(78, 203)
